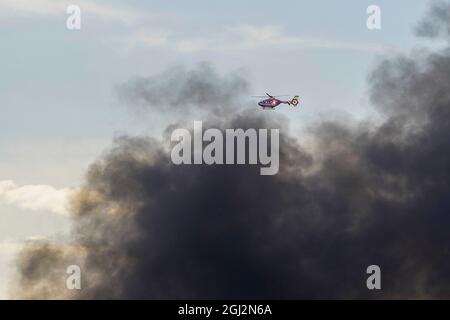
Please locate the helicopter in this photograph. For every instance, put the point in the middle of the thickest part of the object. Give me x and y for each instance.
(272, 102)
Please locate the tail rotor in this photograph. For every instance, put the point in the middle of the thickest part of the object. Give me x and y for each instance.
(294, 101)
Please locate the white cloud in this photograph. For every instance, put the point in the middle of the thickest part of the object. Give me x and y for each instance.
(36, 197)
(252, 36)
(148, 39)
(247, 37)
(58, 7)
(8, 252)
(9, 246)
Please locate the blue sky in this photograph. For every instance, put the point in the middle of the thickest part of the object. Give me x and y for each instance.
(59, 109)
(53, 80)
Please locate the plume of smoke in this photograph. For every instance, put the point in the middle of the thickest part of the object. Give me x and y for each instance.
(437, 21)
(372, 195)
(42, 269)
(178, 89)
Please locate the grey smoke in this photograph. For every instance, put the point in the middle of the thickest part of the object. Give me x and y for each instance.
(371, 195)
(437, 21)
(179, 89)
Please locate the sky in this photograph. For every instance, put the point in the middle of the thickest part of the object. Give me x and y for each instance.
(58, 88)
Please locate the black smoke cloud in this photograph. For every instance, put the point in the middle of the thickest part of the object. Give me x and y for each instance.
(370, 195)
(181, 90)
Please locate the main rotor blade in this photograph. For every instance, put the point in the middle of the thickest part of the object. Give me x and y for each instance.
(283, 95)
